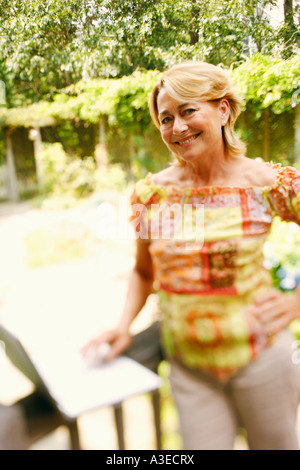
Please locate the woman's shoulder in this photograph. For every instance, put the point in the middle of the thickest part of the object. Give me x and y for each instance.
(273, 175)
(153, 184)
(165, 177)
(284, 195)
(260, 173)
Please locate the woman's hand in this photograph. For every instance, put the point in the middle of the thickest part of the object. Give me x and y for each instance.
(116, 340)
(274, 310)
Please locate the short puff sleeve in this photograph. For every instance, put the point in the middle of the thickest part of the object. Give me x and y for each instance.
(284, 195)
(144, 194)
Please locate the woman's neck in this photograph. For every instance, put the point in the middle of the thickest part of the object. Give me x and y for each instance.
(209, 172)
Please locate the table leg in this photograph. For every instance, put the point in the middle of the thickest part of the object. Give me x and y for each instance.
(156, 409)
(118, 412)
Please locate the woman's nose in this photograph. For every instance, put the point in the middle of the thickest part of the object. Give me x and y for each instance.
(179, 125)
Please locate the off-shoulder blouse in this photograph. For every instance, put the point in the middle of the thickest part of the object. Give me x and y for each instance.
(207, 251)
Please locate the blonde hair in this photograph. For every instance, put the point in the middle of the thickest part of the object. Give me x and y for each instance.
(207, 82)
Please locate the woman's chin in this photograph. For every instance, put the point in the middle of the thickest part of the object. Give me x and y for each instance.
(187, 157)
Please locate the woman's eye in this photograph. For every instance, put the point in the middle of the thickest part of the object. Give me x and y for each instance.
(189, 111)
(166, 120)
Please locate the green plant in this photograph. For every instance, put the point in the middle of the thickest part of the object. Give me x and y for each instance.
(169, 416)
(64, 175)
(282, 251)
(111, 177)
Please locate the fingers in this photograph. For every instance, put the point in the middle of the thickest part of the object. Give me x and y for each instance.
(108, 345)
(118, 347)
(94, 344)
(274, 311)
(275, 325)
(269, 309)
(268, 296)
(87, 347)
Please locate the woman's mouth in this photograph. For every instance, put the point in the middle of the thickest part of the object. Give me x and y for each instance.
(189, 140)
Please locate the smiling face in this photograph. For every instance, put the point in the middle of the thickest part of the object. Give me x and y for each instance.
(192, 130)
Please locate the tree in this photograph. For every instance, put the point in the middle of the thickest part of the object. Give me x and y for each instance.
(290, 32)
(45, 46)
(37, 47)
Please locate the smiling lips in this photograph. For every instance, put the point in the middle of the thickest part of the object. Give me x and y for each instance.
(187, 141)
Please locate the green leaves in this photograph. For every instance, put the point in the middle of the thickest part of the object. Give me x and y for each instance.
(84, 47)
(46, 46)
(264, 81)
(268, 81)
(123, 101)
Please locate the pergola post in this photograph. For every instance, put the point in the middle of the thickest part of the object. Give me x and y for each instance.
(101, 151)
(35, 136)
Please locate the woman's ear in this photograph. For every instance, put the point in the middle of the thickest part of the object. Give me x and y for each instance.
(224, 108)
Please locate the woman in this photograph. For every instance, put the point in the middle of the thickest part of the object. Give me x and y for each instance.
(224, 329)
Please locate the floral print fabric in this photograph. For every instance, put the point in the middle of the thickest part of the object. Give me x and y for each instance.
(205, 285)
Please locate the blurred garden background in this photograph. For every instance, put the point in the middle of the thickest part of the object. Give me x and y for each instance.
(75, 133)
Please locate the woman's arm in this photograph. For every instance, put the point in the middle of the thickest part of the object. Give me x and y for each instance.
(139, 288)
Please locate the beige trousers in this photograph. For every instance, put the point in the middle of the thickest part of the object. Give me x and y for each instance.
(262, 397)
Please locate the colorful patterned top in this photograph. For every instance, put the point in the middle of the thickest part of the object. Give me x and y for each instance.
(205, 282)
